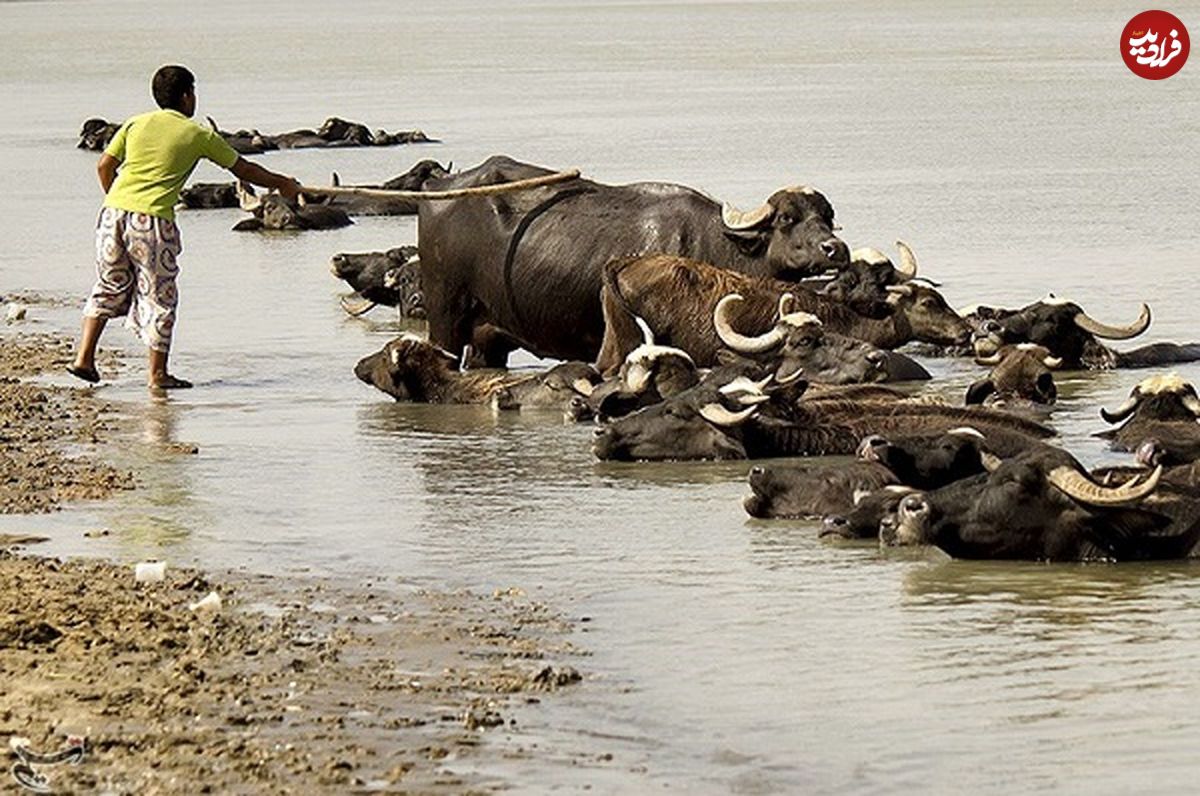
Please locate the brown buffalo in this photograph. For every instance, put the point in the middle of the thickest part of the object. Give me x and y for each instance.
(676, 297)
(1021, 375)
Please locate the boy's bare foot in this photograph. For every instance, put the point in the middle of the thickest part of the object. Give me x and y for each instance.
(169, 382)
(87, 374)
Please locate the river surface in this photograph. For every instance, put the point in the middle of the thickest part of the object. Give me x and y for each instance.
(1009, 145)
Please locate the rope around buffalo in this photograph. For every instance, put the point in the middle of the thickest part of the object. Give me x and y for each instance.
(479, 190)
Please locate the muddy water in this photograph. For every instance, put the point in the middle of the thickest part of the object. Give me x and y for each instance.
(1013, 150)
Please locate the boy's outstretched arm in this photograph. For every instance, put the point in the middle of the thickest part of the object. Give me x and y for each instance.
(252, 172)
(107, 170)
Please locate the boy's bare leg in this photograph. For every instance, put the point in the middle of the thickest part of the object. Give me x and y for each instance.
(159, 378)
(84, 366)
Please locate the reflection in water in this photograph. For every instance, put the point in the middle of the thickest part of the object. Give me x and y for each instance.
(162, 512)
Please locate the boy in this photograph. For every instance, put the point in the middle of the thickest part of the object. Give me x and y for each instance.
(136, 237)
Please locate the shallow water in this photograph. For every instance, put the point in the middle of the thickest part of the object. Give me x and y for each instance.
(1012, 149)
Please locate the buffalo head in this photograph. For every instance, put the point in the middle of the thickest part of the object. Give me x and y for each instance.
(1163, 398)
(703, 422)
(793, 230)
(405, 365)
(798, 344)
(929, 461)
(1020, 373)
(1062, 327)
(1037, 506)
(274, 211)
(862, 283)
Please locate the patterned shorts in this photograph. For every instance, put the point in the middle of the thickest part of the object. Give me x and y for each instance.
(135, 274)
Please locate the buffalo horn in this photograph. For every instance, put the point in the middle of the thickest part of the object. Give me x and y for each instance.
(1078, 487)
(737, 220)
(990, 461)
(738, 342)
(719, 415)
(1052, 362)
(246, 198)
(868, 255)
(355, 309)
(1192, 403)
(1089, 324)
(1124, 410)
(993, 359)
(583, 386)
(637, 376)
(908, 260)
(213, 124)
(647, 334)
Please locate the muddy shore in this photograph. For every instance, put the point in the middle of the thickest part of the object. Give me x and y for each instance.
(288, 685)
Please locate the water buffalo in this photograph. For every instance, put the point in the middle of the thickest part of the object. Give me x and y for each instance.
(1044, 506)
(676, 296)
(863, 283)
(862, 521)
(919, 461)
(530, 262)
(1163, 409)
(96, 133)
(410, 368)
(650, 373)
(272, 211)
(391, 278)
(1021, 374)
(1072, 335)
(802, 492)
(797, 344)
(209, 195)
(708, 423)
(334, 132)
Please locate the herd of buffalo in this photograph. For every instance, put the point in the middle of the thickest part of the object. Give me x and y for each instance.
(688, 329)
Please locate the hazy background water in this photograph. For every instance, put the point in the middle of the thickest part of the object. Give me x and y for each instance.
(1006, 142)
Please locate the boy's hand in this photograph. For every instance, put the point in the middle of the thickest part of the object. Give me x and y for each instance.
(290, 188)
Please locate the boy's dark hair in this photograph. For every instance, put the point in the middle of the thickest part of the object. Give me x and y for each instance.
(169, 85)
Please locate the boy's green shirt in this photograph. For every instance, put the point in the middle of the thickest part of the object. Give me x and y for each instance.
(158, 151)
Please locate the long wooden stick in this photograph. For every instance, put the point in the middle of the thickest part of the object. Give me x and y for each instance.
(480, 190)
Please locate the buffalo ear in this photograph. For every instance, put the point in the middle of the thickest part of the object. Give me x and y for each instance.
(685, 276)
(978, 392)
(749, 242)
(1045, 387)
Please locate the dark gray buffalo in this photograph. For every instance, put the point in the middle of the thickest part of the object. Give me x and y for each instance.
(1043, 505)
(410, 368)
(1074, 337)
(1161, 413)
(96, 133)
(918, 461)
(742, 418)
(272, 211)
(531, 262)
(391, 278)
(209, 195)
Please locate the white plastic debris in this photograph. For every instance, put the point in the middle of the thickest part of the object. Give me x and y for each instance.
(209, 605)
(150, 571)
(15, 312)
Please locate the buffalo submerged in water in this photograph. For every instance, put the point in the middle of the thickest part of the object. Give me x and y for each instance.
(531, 262)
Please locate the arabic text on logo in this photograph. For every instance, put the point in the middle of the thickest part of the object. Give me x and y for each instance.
(1155, 45)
